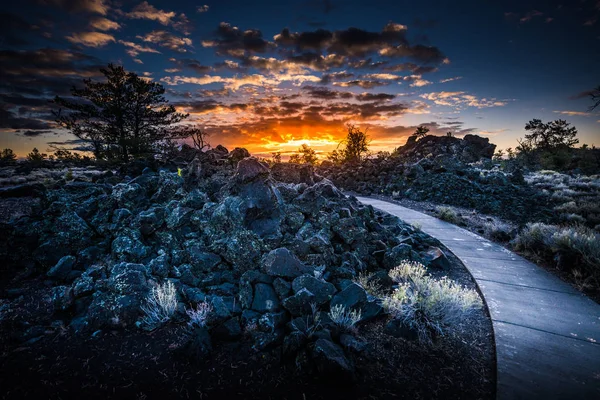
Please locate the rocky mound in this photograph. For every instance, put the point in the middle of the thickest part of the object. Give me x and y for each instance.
(270, 250)
(469, 149)
(443, 170)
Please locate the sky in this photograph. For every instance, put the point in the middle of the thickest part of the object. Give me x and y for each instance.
(272, 75)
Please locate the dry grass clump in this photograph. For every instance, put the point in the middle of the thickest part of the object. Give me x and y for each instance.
(160, 305)
(344, 319)
(428, 305)
(199, 315)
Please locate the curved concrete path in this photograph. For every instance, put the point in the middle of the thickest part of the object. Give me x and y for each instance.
(547, 333)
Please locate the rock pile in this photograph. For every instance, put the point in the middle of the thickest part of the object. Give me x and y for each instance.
(443, 170)
(272, 251)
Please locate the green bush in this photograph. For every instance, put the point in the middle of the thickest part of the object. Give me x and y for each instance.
(447, 214)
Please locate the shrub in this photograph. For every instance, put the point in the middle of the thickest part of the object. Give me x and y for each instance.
(575, 247)
(534, 237)
(369, 283)
(497, 230)
(199, 314)
(160, 305)
(407, 270)
(345, 319)
(447, 214)
(426, 304)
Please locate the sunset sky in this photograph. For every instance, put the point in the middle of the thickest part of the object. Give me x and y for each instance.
(272, 75)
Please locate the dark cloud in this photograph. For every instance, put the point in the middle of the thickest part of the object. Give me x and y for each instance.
(8, 119)
(410, 67)
(375, 97)
(31, 133)
(351, 42)
(14, 29)
(335, 76)
(75, 6)
(315, 40)
(318, 61)
(325, 93)
(232, 41)
(193, 65)
(363, 83)
(15, 99)
(422, 53)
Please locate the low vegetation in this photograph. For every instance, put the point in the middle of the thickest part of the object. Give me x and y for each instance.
(344, 319)
(573, 249)
(429, 306)
(160, 306)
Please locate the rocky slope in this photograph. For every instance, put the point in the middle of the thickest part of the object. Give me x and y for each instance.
(444, 170)
(269, 249)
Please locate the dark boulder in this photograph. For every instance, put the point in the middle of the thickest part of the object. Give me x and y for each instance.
(330, 358)
(62, 268)
(282, 263)
(322, 290)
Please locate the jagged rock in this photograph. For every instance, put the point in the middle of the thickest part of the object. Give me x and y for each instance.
(270, 321)
(265, 299)
(128, 278)
(250, 168)
(293, 173)
(128, 195)
(351, 297)
(349, 342)
(238, 154)
(62, 268)
(282, 287)
(160, 266)
(282, 263)
(299, 303)
(178, 217)
(62, 297)
(396, 255)
(436, 258)
(322, 290)
(330, 358)
(83, 286)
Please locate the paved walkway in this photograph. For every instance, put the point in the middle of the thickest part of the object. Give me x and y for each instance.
(547, 334)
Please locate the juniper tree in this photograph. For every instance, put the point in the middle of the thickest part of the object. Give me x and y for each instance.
(125, 114)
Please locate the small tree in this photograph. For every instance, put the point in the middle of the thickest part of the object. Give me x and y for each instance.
(276, 159)
(498, 155)
(305, 155)
(125, 115)
(545, 136)
(510, 153)
(35, 156)
(354, 148)
(199, 136)
(357, 144)
(449, 134)
(7, 156)
(421, 132)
